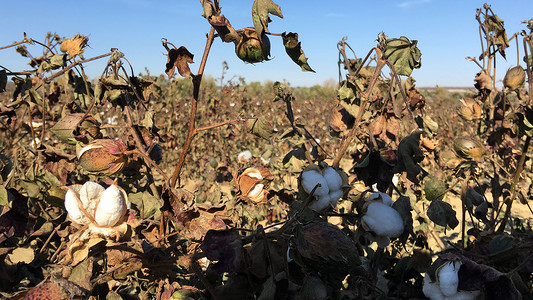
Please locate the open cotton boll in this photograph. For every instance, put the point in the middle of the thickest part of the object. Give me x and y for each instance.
(432, 289)
(448, 278)
(333, 179)
(111, 207)
(335, 196)
(72, 206)
(386, 199)
(320, 203)
(244, 156)
(90, 194)
(383, 220)
(310, 179)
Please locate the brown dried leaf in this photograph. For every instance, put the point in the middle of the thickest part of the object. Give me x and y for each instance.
(179, 58)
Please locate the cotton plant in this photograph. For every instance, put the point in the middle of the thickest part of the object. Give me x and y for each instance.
(446, 283)
(330, 183)
(380, 218)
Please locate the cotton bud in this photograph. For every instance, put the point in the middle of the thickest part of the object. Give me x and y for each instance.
(103, 157)
(468, 109)
(381, 219)
(250, 184)
(92, 203)
(332, 184)
(514, 78)
(250, 49)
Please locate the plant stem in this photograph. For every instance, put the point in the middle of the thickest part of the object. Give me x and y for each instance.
(463, 209)
(516, 177)
(197, 80)
(364, 100)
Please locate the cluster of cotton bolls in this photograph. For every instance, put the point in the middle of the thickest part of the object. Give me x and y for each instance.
(331, 185)
(446, 284)
(381, 219)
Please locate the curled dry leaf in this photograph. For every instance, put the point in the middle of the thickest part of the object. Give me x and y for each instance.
(65, 129)
(179, 58)
(483, 82)
(340, 120)
(294, 50)
(468, 109)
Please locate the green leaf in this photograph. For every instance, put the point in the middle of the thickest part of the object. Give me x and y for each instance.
(294, 50)
(3, 80)
(403, 54)
(4, 200)
(260, 127)
(442, 213)
(260, 14)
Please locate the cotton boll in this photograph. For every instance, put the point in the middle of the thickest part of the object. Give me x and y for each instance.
(320, 203)
(383, 220)
(244, 156)
(310, 179)
(448, 279)
(111, 208)
(432, 289)
(90, 194)
(465, 295)
(333, 179)
(385, 198)
(335, 196)
(72, 206)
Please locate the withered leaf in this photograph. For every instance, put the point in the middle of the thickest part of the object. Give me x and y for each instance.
(261, 127)
(409, 155)
(403, 54)
(224, 246)
(179, 58)
(209, 9)
(442, 213)
(294, 50)
(260, 11)
(224, 29)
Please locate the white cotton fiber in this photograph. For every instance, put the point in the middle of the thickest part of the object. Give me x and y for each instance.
(244, 156)
(448, 279)
(335, 196)
(333, 179)
(432, 289)
(320, 203)
(386, 199)
(383, 220)
(310, 179)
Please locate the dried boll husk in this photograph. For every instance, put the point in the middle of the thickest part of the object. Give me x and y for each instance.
(65, 128)
(468, 147)
(468, 109)
(250, 49)
(514, 78)
(250, 186)
(103, 157)
(91, 203)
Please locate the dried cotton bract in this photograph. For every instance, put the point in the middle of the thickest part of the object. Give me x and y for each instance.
(332, 185)
(91, 203)
(250, 184)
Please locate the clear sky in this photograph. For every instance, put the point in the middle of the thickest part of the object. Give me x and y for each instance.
(446, 31)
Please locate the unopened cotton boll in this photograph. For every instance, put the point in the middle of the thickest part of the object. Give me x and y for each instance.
(383, 220)
(310, 179)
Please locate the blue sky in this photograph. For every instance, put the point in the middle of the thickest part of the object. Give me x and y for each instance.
(446, 31)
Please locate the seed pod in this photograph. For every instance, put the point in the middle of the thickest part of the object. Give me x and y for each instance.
(514, 78)
(250, 185)
(468, 109)
(65, 128)
(103, 157)
(250, 49)
(468, 147)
